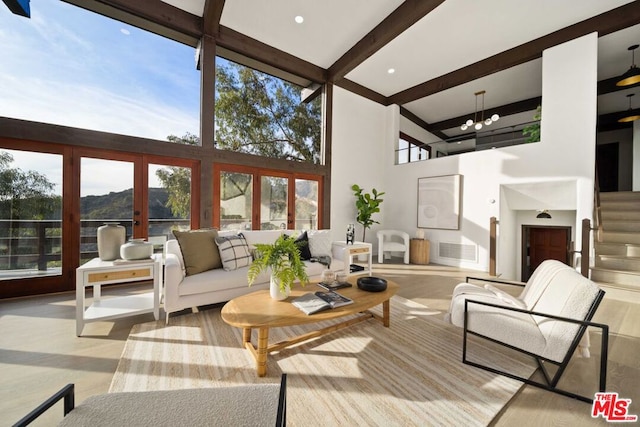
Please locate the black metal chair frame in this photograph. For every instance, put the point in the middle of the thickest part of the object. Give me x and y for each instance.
(67, 392)
(551, 382)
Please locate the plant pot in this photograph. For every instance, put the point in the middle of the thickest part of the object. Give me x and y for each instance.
(136, 249)
(110, 237)
(275, 291)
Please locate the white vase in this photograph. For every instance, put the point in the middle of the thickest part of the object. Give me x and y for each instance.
(275, 292)
(110, 237)
(136, 249)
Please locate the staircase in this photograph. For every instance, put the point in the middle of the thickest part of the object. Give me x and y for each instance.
(617, 256)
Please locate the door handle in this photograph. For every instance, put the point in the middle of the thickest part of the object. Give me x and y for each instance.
(136, 222)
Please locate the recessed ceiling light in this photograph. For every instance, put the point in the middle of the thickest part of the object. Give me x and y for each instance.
(299, 19)
(125, 31)
(391, 70)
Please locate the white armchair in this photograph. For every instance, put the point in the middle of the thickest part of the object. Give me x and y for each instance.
(392, 241)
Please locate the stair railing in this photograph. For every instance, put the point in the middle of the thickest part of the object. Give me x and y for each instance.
(597, 217)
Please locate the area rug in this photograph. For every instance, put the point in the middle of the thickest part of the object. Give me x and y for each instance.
(408, 374)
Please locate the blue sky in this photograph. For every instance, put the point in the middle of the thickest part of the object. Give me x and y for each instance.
(76, 68)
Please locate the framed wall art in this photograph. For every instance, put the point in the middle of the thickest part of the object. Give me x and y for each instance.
(439, 202)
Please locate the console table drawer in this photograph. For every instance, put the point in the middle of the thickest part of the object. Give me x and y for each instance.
(108, 276)
(359, 251)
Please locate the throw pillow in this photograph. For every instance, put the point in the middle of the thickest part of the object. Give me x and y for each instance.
(303, 244)
(199, 250)
(320, 243)
(234, 251)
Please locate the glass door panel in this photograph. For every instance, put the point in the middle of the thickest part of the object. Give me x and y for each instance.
(306, 204)
(30, 214)
(273, 203)
(106, 195)
(169, 202)
(236, 199)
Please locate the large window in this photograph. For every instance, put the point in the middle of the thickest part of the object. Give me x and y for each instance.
(30, 214)
(411, 149)
(72, 67)
(261, 114)
(248, 198)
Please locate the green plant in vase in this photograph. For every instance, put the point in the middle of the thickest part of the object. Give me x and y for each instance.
(283, 258)
(367, 205)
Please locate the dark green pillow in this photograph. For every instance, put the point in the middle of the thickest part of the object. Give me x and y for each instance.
(199, 250)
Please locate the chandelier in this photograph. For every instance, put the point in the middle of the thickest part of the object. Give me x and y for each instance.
(477, 124)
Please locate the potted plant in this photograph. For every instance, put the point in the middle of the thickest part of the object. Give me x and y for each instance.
(283, 258)
(366, 205)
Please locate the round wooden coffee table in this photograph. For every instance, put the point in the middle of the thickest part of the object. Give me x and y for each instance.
(258, 310)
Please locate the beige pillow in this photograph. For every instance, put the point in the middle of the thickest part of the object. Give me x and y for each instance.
(199, 250)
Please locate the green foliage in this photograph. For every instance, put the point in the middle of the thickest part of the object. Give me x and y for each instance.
(177, 180)
(366, 205)
(283, 257)
(259, 114)
(533, 130)
(25, 195)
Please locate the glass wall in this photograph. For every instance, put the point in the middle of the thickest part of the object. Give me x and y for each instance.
(261, 114)
(169, 202)
(236, 200)
(30, 214)
(73, 67)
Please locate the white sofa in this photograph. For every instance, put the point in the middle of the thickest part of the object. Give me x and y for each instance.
(183, 291)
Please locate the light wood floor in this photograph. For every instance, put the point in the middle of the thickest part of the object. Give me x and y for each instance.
(39, 351)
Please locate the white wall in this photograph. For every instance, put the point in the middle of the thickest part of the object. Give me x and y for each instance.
(564, 158)
(359, 131)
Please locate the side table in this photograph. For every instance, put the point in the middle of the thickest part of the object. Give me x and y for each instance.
(349, 250)
(419, 251)
(96, 273)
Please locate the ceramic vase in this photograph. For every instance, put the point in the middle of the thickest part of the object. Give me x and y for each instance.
(110, 237)
(275, 291)
(136, 249)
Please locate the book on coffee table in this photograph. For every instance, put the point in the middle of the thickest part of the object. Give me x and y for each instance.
(314, 302)
(334, 285)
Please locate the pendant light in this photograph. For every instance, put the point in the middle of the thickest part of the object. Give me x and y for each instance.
(632, 76)
(631, 115)
(477, 124)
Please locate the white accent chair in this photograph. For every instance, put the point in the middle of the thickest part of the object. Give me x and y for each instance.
(392, 241)
(547, 321)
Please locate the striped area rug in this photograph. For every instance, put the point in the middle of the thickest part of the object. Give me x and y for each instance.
(408, 374)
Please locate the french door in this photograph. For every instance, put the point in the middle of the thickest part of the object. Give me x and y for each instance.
(248, 198)
(50, 224)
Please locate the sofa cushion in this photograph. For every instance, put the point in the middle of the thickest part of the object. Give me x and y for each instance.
(234, 251)
(199, 250)
(319, 242)
(220, 280)
(303, 244)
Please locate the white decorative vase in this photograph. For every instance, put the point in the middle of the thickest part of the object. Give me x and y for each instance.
(275, 292)
(110, 237)
(136, 249)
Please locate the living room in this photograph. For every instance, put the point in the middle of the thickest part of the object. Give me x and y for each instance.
(503, 183)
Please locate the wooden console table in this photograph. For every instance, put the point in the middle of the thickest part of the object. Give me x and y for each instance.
(419, 251)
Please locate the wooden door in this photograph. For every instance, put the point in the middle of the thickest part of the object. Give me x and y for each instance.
(542, 243)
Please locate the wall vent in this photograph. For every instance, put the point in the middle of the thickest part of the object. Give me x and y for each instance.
(458, 251)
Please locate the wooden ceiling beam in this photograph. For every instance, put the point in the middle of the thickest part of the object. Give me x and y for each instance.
(502, 111)
(424, 125)
(605, 23)
(152, 15)
(211, 17)
(405, 15)
(362, 91)
(609, 86)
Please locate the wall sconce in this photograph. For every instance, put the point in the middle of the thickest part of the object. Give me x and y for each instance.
(544, 214)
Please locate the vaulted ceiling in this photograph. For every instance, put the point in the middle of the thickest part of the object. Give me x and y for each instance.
(442, 51)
